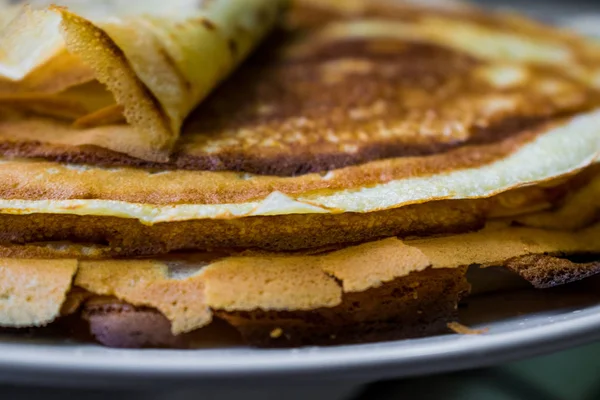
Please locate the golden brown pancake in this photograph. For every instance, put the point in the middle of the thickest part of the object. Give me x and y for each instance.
(389, 111)
(414, 116)
(107, 230)
(367, 86)
(335, 190)
(349, 295)
(104, 236)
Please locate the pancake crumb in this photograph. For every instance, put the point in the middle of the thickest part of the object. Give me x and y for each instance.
(465, 330)
(276, 333)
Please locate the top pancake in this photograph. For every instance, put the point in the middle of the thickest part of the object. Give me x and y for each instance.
(342, 87)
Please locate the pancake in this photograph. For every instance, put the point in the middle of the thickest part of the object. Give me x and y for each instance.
(335, 189)
(347, 295)
(43, 233)
(456, 137)
(150, 55)
(385, 82)
(158, 196)
(574, 213)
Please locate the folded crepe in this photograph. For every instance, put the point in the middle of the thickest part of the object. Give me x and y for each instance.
(335, 189)
(123, 75)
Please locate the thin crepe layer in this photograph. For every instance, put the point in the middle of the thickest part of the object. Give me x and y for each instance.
(553, 154)
(580, 207)
(42, 234)
(156, 67)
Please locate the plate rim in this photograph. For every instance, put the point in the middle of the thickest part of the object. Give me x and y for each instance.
(380, 360)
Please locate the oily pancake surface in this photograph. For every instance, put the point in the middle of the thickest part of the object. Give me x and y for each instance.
(383, 82)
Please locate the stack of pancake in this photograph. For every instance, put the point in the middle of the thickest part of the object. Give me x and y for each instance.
(333, 188)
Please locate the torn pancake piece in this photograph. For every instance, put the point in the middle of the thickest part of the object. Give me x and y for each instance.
(544, 271)
(33, 292)
(149, 283)
(158, 60)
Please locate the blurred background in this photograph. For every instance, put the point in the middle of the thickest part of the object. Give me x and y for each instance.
(583, 15)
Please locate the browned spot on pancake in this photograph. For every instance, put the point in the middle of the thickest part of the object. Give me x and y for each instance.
(347, 103)
(468, 154)
(208, 24)
(233, 47)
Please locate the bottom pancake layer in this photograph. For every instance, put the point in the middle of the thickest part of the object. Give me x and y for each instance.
(418, 305)
(421, 304)
(380, 290)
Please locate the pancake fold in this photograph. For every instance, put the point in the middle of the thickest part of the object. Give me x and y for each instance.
(157, 60)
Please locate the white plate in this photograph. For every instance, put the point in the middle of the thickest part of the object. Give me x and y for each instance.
(521, 324)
